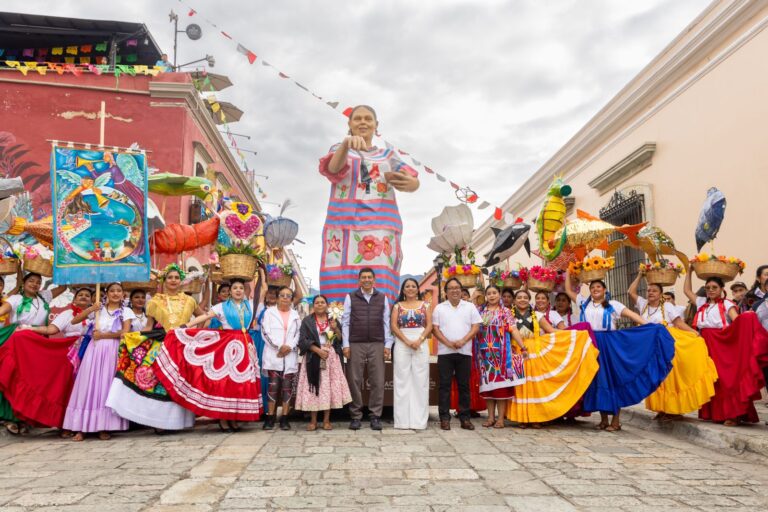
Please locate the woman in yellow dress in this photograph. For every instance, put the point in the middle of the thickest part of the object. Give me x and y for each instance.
(691, 383)
(136, 394)
(559, 368)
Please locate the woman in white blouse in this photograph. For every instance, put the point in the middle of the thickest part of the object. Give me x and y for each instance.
(690, 384)
(72, 321)
(280, 361)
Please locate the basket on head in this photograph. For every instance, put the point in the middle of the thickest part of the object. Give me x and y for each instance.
(39, 265)
(280, 281)
(587, 276)
(242, 266)
(217, 276)
(515, 283)
(147, 286)
(194, 286)
(540, 286)
(725, 270)
(8, 265)
(468, 280)
(661, 276)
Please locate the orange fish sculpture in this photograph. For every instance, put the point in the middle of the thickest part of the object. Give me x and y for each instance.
(588, 232)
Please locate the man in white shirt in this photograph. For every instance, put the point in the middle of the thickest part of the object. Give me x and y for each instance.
(455, 323)
(367, 342)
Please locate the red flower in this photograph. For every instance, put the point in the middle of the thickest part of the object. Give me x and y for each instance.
(386, 246)
(334, 244)
(369, 247)
(381, 187)
(374, 172)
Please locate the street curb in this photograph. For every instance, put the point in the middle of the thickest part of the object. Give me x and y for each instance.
(744, 439)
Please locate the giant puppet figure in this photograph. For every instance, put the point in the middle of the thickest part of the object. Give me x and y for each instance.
(363, 226)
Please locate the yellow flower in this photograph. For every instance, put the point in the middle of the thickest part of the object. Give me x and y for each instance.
(702, 256)
(656, 265)
(459, 270)
(596, 261)
(587, 266)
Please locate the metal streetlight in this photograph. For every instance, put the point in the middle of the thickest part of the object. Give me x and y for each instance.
(193, 31)
(438, 264)
(208, 58)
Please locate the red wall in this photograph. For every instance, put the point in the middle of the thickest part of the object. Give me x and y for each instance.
(33, 109)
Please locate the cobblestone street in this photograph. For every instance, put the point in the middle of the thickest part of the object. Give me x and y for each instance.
(560, 468)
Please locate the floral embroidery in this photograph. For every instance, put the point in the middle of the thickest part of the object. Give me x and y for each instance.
(334, 244)
(138, 354)
(342, 191)
(145, 377)
(368, 248)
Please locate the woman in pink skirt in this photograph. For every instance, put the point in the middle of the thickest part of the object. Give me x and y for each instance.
(87, 410)
(322, 385)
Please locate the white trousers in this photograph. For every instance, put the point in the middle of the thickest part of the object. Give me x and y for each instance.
(411, 386)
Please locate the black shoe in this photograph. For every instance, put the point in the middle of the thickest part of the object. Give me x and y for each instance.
(355, 425)
(284, 425)
(226, 429)
(375, 423)
(269, 423)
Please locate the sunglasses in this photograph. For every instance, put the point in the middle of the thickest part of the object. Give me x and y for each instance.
(713, 288)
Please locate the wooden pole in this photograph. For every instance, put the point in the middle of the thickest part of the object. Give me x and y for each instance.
(102, 119)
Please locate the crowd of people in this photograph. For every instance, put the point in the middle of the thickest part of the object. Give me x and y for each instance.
(513, 354)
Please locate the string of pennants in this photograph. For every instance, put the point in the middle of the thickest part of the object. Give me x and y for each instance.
(70, 54)
(43, 68)
(205, 83)
(463, 193)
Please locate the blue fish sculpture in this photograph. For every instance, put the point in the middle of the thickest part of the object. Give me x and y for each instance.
(710, 218)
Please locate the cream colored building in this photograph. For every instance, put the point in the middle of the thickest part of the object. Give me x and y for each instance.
(694, 118)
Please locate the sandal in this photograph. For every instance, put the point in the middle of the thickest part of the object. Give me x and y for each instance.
(65, 434)
(224, 427)
(730, 423)
(23, 429)
(311, 427)
(327, 426)
(105, 436)
(522, 425)
(499, 423)
(536, 426)
(13, 428)
(489, 423)
(613, 428)
(601, 426)
(79, 437)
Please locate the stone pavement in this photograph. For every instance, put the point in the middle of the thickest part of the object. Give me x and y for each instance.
(559, 468)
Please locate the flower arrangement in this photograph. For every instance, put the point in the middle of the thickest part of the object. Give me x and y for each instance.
(278, 271)
(461, 270)
(591, 263)
(662, 264)
(543, 274)
(336, 310)
(500, 277)
(704, 257)
(240, 247)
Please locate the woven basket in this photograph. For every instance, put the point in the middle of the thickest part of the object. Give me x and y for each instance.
(468, 280)
(587, 276)
(39, 265)
(715, 268)
(242, 266)
(540, 286)
(193, 287)
(217, 277)
(147, 286)
(661, 276)
(280, 281)
(8, 265)
(514, 283)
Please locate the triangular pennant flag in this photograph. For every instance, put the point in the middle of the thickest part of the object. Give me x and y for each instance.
(265, 63)
(12, 63)
(101, 47)
(41, 70)
(498, 213)
(415, 162)
(248, 53)
(191, 12)
(72, 50)
(483, 205)
(298, 84)
(94, 69)
(430, 171)
(57, 50)
(86, 48)
(439, 177)
(455, 186)
(402, 152)
(72, 69)
(332, 104)
(347, 111)
(85, 60)
(23, 68)
(226, 35)
(141, 69)
(69, 60)
(282, 75)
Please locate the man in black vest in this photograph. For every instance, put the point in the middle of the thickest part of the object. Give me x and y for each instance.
(367, 341)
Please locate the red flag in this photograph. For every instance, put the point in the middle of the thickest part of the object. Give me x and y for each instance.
(498, 214)
(282, 75)
(251, 57)
(191, 12)
(430, 171)
(518, 220)
(347, 111)
(455, 186)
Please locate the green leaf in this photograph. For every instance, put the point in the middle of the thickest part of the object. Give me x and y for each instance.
(358, 259)
(357, 237)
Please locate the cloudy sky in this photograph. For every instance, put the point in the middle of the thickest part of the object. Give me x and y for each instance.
(481, 91)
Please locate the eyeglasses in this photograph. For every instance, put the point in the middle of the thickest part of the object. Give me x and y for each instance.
(713, 288)
(451, 289)
(285, 296)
